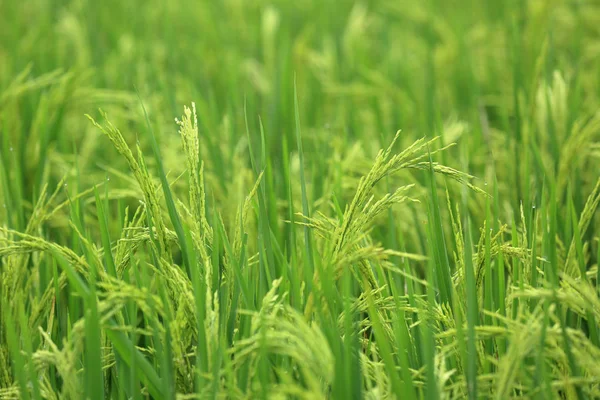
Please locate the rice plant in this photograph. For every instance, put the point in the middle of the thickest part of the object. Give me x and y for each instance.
(303, 200)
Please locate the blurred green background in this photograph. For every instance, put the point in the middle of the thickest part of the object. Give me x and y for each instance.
(472, 71)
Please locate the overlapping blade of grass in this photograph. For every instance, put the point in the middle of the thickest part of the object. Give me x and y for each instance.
(17, 358)
(121, 343)
(351, 370)
(425, 330)
(591, 320)
(93, 344)
(173, 213)
(309, 257)
(399, 387)
(501, 269)
(103, 223)
(442, 265)
(268, 267)
(472, 316)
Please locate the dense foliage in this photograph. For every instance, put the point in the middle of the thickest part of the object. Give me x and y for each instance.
(357, 199)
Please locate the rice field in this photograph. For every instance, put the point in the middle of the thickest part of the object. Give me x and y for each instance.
(306, 199)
